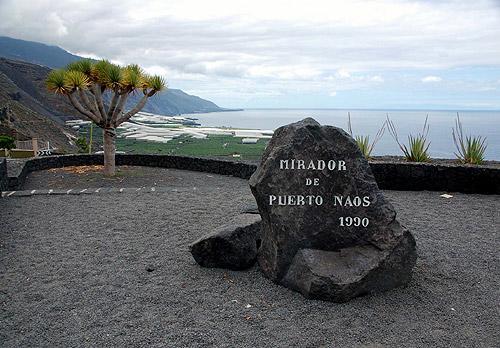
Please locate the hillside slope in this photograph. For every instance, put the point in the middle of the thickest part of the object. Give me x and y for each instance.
(32, 93)
(24, 117)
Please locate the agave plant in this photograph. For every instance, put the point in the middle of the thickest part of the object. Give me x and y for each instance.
(85, 83)
(470, 149)
(363, 141)
(418, 145)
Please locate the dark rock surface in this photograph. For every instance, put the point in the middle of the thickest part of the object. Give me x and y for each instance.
(232, 246)
(286, 229)
(340, 275)
(4, 179)
(440, 175)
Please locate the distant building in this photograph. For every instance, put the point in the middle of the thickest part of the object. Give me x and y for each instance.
(249, 140)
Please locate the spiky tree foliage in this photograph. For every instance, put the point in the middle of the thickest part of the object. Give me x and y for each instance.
(86, 83)
(418, 145)
(470, 149)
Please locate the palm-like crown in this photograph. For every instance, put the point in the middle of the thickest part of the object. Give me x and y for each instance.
(81, 74)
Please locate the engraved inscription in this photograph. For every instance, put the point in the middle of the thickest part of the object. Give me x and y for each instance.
(316, 200)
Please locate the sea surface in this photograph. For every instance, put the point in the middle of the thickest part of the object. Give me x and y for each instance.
(367, 122)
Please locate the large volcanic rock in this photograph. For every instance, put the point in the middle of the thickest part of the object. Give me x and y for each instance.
(232, 245)
(327, 230)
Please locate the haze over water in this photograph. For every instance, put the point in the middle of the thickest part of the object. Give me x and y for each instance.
(367, 122)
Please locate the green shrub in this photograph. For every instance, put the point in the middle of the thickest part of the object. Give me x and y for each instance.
(7, 142)
(83, 146)
(470, 149)
(418, 146)
(363, 141)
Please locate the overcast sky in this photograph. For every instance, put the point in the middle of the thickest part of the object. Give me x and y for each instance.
(274, 53)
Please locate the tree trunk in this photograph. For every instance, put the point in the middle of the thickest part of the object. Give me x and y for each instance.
(109, 151)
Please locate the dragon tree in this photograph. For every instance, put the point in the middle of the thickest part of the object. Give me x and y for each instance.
(99, 91)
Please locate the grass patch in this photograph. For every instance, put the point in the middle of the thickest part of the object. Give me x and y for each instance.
(213, 145)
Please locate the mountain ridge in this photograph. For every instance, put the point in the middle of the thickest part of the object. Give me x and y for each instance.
(35, 52)
(169, 102)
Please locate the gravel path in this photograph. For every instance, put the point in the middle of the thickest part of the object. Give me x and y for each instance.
(114, 270)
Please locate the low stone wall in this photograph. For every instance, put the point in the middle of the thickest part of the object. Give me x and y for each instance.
(389, 175)
(437, 177)
(4, 179)
(209, 165)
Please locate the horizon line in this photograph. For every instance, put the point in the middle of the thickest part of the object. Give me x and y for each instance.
(363, 109)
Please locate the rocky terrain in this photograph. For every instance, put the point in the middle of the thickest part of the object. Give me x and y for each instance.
(28, 110)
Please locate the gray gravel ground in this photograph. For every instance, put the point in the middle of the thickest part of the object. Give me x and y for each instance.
(127, 176)
(114, 270)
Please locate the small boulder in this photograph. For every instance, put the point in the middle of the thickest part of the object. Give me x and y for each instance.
(232, 246)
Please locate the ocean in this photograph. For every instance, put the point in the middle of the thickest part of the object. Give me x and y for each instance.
(367, 122)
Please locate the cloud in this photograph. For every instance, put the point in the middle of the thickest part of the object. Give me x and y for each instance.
(376, 78)
(343, 73)
(56, 23)
(284, 45)
(88, 55)
(431, 78)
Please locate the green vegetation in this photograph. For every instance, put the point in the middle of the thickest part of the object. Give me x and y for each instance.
(7, 142)
(418, 149)
(470, 149)
(185, 145)
(21, 154)
(212, 146)
(363, 141)
(83, 145)
(418, 146)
